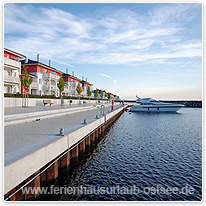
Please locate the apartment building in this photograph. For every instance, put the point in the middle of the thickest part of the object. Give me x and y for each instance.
(71, 83)
(45, 77)
(85, 85)
(70, 86)
(12, 70)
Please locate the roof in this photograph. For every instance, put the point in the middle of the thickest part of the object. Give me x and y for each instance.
(82, 81)
(13, 52)
(32, 62)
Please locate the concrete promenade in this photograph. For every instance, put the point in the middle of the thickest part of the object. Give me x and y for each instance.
(30, 146)
(19, 115)
(18, 110)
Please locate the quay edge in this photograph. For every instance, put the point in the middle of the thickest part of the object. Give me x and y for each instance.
(42, 165)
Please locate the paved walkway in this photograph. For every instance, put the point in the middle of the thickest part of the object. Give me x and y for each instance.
(23, 139)
(18, 110)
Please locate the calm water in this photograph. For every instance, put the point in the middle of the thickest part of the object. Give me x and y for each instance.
(145, 150)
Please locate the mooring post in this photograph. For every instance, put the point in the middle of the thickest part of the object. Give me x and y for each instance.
(52, 171)
(65, 160)
(35, 186)
(75, 151)
(82, 146)
(88, 140)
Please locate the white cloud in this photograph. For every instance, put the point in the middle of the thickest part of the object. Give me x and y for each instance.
(184, 65)
(118, 37)
(105, 75)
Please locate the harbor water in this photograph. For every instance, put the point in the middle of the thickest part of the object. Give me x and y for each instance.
(157, 155)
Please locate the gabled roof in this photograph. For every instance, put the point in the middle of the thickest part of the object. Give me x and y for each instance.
(82, 81)
(69, 75)
(32, 62)
(15, 53)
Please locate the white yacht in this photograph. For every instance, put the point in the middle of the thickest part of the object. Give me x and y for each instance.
(152, 105)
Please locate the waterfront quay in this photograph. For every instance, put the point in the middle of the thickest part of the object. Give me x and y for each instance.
(34, 150)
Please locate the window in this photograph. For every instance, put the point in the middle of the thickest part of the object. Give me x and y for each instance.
(45, 71)
(39, 81)
(8, 56)
(39, 69)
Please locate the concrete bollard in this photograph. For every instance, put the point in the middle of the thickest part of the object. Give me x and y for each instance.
(61, 132)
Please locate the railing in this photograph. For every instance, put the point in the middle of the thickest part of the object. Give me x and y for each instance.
(53, 87)
(11, 64)
(46, 75)
(54, 76)
(46, 87)
(51, 76)
(67, 89)
(11, 79)
(34, 85)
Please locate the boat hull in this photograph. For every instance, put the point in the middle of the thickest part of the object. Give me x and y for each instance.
(138, 108)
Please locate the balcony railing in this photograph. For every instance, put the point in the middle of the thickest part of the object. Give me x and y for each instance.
(11, 64)
(34, 85)
(11, 79)
(54, 88)
(46, 87)
(66, 88)
(51, 76)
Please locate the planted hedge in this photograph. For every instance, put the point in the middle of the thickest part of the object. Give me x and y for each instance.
(18, 95)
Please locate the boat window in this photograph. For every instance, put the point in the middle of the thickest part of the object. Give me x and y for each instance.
(146, 104)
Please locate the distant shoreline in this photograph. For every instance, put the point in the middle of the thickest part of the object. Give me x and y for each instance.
(187, 103)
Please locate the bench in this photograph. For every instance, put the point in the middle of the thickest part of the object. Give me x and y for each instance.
(45, 102)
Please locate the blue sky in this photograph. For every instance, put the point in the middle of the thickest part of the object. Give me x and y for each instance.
(152, 50)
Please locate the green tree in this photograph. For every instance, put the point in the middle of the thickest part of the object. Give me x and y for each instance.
(102, 95)
(96, 94)
(26, 81)
(89, 93)
(60, 85)
(79, 90)
(106, 95)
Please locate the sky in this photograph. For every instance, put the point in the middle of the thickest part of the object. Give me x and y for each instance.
(150, 50)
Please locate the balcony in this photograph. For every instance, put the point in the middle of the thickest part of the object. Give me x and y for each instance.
(54, 77)
(11, 64)
(46, 87)
(10, 79)
(66, 89)
(54, 87)
(34, 85)
(51, 76)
